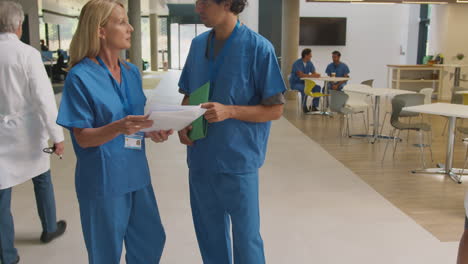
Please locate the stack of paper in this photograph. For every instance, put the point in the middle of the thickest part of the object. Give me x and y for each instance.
(175, 117)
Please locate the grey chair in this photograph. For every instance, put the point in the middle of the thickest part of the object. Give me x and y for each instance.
(368, 82)
(338, 102)
(462, 172)
(464, 131)
(456, 99)
(410, 100)
(398, 103)
(338, 105)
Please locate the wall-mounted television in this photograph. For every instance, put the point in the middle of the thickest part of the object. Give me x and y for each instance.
(322, 31)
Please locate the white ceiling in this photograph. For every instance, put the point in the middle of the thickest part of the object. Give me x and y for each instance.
(73, 7)
(392, 1)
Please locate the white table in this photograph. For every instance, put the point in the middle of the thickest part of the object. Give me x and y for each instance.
(325, 80)
(452, 112)
(377, 93)
(465, 96)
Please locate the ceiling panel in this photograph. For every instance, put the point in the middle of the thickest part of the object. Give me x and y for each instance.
(73, 7)
(392, 1)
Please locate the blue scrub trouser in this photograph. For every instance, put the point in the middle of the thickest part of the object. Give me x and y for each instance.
(132, 218)
(217, 198)
(340, 88)
(45, 201)
(300, 87)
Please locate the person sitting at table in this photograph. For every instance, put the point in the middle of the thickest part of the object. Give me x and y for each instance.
(43, 46)
(337, 69)
(304, 68)
(59, 69)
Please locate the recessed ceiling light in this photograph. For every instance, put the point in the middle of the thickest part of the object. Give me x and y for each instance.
(347, 1)
(375, 3)
(425, 2)
(462, 1)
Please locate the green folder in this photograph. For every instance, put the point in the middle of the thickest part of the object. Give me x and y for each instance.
(199, 126)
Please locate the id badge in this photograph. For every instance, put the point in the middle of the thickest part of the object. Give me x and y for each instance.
(134, 141)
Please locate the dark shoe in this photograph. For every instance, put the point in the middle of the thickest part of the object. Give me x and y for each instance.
(61, 227)
(305, 109)
(314, 109)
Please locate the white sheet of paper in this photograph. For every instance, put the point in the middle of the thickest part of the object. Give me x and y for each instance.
(175, 117)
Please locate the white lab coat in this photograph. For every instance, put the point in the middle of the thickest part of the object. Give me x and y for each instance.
(28, 113)
(466, 204)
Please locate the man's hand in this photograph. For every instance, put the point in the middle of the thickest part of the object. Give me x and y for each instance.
(183, 136)
(159, 136)
(217, 112)
(131, 124)
(335, 87)
(59, 148)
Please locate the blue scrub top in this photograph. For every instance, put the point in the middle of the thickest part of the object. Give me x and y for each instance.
(90, 100)
(341, 69)
(248, 75)
(299, 66)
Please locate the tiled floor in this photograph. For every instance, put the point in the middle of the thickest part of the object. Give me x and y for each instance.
(435, 202)
(314, 209)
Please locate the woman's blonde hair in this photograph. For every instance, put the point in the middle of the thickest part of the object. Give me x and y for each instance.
(86, 42)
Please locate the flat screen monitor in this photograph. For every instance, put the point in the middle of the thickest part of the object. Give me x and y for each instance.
(322, 31)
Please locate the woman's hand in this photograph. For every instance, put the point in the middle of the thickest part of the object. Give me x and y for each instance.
(95, 137)
(159, 136)
(131, 124)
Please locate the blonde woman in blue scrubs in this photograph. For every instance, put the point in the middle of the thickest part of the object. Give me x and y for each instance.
(102, 107)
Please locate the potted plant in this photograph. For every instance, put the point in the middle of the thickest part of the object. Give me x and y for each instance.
(460, 56)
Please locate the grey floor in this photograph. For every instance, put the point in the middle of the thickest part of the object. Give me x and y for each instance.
(314, 210)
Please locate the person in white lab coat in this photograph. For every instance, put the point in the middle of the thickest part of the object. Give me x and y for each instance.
(463, 246)
(27, 121)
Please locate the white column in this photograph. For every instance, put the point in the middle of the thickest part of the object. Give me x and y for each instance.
(250, 15)
(134, 16)
(31, 9)
(290, 36)
(154, 33)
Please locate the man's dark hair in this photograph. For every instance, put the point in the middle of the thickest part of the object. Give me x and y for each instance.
(337, 53)
(306, 52)
(237, 6)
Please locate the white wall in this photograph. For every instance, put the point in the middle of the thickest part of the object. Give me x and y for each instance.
(374, 36)
(448, 35)
(250, 15)
(413, 31)
(448, 32)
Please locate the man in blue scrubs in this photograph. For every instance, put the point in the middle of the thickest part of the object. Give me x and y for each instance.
(338, 69)
(303, 68)
(246, 94)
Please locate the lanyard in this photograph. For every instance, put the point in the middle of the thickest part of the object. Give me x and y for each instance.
(118, 88)
(215, 63)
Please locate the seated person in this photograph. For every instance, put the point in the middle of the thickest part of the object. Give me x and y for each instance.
(338, 69)
(302, 68)
(43, 46)
(59, 68)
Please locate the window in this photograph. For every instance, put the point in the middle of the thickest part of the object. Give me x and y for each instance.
(58, 36)
(181, 39)
(424, 23)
